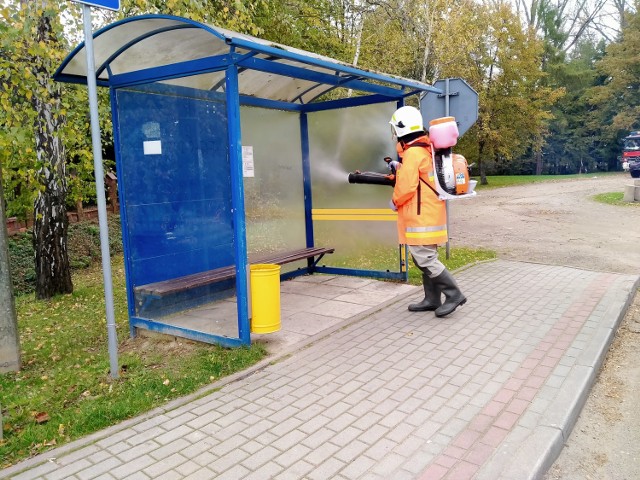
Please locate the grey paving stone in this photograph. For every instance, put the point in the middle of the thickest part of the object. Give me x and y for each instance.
(68, 470)
(487, 392)
(98, 469)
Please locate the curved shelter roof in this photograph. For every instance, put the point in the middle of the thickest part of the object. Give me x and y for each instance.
(183, 52)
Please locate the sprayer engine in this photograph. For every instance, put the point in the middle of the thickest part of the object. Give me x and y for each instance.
(452, 170)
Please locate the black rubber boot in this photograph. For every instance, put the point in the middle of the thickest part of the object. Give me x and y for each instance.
(453, 297)
(431, 297)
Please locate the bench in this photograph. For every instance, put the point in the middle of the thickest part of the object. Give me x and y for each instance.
(180, 284)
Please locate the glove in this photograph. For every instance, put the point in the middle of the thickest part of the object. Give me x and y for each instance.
(392, 206)
(394, 165)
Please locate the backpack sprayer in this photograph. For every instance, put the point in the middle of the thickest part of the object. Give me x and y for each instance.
(451, 170)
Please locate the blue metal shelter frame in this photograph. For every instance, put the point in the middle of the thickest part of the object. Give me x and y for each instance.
(246, 71)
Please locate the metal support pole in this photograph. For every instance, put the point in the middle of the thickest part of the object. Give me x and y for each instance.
(446, 202)
(102, 203)
(306, 181)
(243, 271)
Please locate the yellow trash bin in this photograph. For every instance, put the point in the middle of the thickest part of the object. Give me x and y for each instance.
(265, 297)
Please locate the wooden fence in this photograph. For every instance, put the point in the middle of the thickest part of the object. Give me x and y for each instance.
(14, 226)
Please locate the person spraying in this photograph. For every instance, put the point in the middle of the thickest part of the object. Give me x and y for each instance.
(422, 217)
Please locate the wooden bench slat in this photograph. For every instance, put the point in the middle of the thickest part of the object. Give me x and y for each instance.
(200, 279)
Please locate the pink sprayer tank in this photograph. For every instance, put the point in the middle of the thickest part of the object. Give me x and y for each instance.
(443, 132)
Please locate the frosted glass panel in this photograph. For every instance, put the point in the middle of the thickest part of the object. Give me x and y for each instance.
(274, 198)
(345, 140)
(342, 141)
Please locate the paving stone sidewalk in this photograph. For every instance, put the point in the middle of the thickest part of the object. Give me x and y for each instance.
(490, 392)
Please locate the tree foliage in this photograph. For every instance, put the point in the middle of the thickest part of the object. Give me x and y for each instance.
(235, 15)
(575, 142)
(17, 116)
(514, 100)
(315, 25)
(619, 96)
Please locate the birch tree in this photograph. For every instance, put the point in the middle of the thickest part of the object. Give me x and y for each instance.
(575, 17)
(53, 274)
(37, 113)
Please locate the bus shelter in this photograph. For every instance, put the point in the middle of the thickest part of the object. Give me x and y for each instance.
(232, 150)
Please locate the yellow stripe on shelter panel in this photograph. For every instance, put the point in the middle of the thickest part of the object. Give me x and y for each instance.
(425, 234)
(358, 211)
(370, 218)
(354, 214)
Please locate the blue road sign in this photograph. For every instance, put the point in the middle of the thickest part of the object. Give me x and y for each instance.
(108, 4)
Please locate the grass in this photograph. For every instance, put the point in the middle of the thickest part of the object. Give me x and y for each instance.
(381, 258)
(497, 181)
(460, 257)
(65, 376)
(614, 198)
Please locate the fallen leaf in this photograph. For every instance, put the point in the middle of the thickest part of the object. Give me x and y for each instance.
(42, 417)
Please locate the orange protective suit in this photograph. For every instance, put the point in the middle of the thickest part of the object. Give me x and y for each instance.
(422, 216)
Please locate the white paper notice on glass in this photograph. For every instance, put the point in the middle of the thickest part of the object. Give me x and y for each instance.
(152, 147)
(247, 162)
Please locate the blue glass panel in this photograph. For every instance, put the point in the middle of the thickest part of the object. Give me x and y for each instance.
(175, 183)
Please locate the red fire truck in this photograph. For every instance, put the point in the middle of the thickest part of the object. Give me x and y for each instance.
(631, 154)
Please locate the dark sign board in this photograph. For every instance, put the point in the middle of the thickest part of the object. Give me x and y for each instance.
(462, 103)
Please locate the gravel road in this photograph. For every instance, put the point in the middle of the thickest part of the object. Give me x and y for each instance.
(553, 223)
(558, 223)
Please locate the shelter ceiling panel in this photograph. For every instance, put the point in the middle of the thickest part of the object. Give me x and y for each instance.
(214, 81)
(268, 85)
(146, 43)
(180, 51)
(166, 49)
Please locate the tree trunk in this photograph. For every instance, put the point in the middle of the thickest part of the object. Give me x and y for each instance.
(428, 34)
(9, 338)
(53, 274)
(356, 55)
(538, 157)
(483, 176)
(481, 149)
(80, 210)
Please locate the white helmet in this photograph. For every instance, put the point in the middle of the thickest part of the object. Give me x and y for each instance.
(406, 120)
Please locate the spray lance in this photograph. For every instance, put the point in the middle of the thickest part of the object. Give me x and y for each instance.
(375, 178)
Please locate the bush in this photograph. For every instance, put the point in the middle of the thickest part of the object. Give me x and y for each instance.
(83, 243)
(21, 261)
